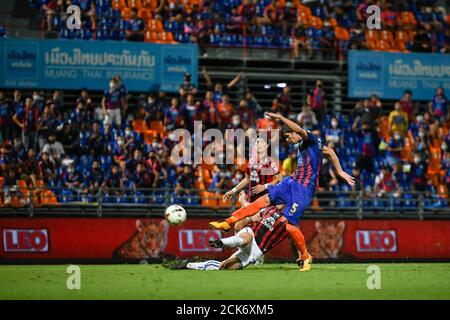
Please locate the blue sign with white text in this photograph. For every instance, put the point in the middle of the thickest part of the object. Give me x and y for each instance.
(76, 64)
(389, 74)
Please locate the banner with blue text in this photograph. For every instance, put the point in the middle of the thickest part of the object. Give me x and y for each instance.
(76, 64)
(389, 74)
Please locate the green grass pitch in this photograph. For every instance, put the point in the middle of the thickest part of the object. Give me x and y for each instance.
(268, 281)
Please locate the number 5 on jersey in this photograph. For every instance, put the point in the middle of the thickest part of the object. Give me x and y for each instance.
(294, 208)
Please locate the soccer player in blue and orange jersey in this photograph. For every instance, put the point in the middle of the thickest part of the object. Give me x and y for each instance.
(296, 191)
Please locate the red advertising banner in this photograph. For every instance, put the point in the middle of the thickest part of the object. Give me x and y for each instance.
(135, 239)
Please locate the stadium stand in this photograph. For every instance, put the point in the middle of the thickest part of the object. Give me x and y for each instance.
(295, 25)
(57, 149)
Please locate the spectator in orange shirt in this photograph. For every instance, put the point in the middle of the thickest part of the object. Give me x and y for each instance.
(226, 111)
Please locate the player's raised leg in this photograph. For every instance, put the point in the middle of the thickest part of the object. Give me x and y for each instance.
(242, 213)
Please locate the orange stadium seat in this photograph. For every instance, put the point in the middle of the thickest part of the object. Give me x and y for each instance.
(208, 199)
(149, 135)
(149, 4)
(155, 25)
(139, 125)
(145, 14)
(223, 203)
(158, 126)
(316, 22)
(126, 13)
(166, 37)
(372, 35)
(383, 45)
(402, 36)
(342, 33)
(48, 198)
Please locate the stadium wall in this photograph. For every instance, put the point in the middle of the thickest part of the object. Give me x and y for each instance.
(39, 240)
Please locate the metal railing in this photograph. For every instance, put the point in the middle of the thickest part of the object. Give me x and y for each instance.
(340, 204)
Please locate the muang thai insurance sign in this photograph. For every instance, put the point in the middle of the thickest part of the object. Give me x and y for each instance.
(389, 74)
(75, 64)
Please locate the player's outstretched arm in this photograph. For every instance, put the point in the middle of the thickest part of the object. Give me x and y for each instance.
(241, 185)
(337, 165)
(291, 124)
(263, 187)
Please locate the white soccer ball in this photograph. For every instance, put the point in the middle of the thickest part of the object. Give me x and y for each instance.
(175, 214)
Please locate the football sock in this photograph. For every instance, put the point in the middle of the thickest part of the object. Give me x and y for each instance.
(297, 235)
(207, 265)
(248, 211)
(232, 242)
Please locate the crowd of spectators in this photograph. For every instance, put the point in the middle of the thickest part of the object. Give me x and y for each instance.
(311, 25)
(89, 147)
(394, 151)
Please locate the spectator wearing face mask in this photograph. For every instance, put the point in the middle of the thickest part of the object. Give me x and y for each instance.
(334, 134)
(422, 142)
(398, 120)
(394, 149)
(95, 179)
(385, 184)
(112, 104)
(71, 177)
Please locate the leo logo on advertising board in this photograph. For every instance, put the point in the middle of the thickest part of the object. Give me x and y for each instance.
(376, 241)
(197, 240)
(25, 240)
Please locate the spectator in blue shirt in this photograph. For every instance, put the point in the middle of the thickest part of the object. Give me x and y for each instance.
(134, 27)
(439, 105)
(394, 149)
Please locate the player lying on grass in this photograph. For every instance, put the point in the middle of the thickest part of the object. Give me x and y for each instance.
(262, 173)
(296, 191)
(256, 235)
